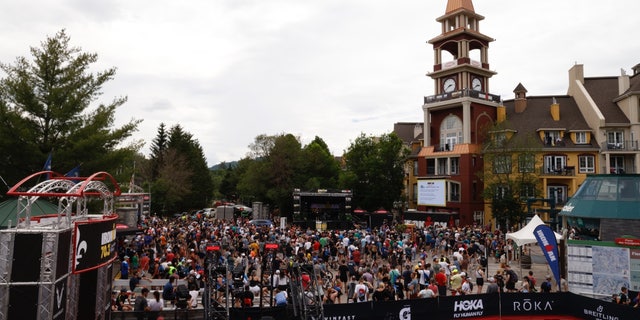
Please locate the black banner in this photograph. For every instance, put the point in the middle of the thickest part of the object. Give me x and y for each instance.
(586, 308)
(63, 257)
(23, 302)
(94, 244)
(27, 253)
(354, 311)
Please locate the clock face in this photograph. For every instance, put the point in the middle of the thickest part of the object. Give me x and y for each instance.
(476, 84)
(449, 85)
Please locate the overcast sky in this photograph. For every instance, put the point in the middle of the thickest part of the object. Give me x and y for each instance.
(229, 70)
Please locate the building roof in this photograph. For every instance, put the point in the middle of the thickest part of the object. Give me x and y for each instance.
(603, 91)
(606, 196)
(537, 115)
(454, 5)
(407, 131)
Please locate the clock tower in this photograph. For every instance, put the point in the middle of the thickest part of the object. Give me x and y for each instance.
(456, 116)
(461, 51)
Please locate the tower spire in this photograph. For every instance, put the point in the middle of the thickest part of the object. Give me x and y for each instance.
(453, 5)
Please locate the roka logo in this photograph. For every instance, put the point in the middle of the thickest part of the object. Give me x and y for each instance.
(467, 305)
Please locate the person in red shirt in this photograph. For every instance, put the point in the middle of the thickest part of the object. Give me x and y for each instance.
(144, 263)
(441, 282)
(356, 256)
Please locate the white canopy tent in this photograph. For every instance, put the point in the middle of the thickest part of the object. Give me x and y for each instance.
(525, 235)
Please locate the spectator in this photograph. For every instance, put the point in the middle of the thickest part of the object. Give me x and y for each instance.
(141, 305)
(546, 286)
(280, 298)
(492, 287)
(623, 296)
(155, 306)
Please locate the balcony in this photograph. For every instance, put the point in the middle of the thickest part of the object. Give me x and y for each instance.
(460, 94)
(554, 171)
(627, 145)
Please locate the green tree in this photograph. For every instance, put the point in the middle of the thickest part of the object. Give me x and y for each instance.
(374, 171)
(47, 106)
(181, 178)
(509, 173)
(319, 168)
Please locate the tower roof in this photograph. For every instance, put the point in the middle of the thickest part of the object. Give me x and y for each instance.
(454, 5)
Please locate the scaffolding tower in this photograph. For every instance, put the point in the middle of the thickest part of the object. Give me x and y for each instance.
(306, 292)
(217, 298)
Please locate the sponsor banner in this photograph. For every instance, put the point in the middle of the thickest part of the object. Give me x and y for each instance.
(528, 303)
(353, 311)
(405, 309)
(94, 243)
(468, 306)
(549, 245)
(595, 309)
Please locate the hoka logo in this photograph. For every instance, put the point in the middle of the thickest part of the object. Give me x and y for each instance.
(467, 305)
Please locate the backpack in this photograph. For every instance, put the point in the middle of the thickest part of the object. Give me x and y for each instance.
(513, 277)
(182, 296)
(483, 261)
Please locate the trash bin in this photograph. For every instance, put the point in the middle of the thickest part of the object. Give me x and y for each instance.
(526, 261)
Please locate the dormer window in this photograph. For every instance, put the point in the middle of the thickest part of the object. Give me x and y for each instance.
(552, 138)
(581, 138)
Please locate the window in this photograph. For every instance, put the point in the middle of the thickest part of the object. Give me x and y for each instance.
(554, 163)
(586, 164)
(450, 132)
(454, 191)
(526, 162)
(501, 192)
(615, 139)
(581, 137)
(455, 165)
(552, 138)
(527, 190)
(415, 168)
(502, 164)
(559, 193)
(500, 138)
(442, 166)
(431, 166)
(616, 164)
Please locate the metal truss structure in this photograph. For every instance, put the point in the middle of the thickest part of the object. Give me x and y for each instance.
(54, 235)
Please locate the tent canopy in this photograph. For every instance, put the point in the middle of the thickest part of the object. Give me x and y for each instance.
(525, 235)
(8, 211)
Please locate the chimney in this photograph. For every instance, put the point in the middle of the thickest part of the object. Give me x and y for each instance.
(555, 110)
(417, 130)
(521, 98)
(501, 113)
(623, 82)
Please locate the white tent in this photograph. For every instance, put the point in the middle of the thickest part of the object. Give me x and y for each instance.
(525, 235)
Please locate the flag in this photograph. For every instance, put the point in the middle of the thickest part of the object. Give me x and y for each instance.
(549, 245)
(47, 164)
(75, 172)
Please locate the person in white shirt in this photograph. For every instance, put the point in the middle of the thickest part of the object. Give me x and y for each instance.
(361, 291)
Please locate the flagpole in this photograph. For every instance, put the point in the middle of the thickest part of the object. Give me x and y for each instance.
(5, 183)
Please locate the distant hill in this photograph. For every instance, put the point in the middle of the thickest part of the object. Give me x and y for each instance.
(224, 165)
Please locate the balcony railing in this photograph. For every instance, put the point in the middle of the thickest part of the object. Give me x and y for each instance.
(462, 93)
(627, 145)
(555, 171)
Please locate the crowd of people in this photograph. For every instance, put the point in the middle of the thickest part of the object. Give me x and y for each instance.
(351, 265)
